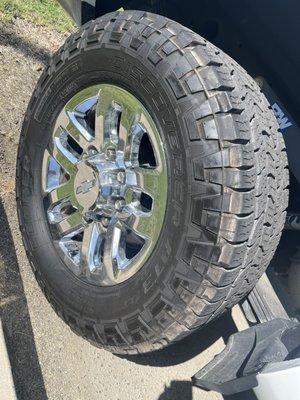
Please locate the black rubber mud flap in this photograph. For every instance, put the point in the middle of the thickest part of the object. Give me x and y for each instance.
(234, 370)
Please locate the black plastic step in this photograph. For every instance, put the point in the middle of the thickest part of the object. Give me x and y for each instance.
(234, 370)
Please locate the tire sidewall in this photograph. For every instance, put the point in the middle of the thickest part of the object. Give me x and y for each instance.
(95, 66)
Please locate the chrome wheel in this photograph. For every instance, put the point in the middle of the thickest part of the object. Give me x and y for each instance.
(105, 184)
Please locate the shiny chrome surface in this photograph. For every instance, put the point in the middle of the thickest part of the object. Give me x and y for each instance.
(105, 184)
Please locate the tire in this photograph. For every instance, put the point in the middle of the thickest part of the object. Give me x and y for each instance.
(227, 181)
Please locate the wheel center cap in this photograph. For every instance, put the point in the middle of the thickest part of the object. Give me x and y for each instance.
(86, 186)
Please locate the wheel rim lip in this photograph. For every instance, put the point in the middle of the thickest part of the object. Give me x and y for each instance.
(132, 266)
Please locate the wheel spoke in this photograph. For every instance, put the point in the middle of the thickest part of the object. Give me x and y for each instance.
(62, 154)
(149, 180)
(52, 173)
(112, 253)
(129, 129)
(90, 250)
(107, 120)
(77, 130)
(76, 117)
(61, 192)
(73, 123)
(70, 223)
(143, 224)
(133, 144)
(70, 247)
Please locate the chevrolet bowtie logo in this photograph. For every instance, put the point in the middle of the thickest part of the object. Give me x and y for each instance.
(85, 186)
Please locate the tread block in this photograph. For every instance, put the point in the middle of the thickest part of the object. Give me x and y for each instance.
(202, 307)
(211, 220)
(231, 256)
(169, 48)
(234, 178)
(148, 31)
(220, 276)
(186, 38)
(136, 43)
(240, 156)
(236, 229)
(182, 67)
(209, 78)
(176, 86)
(212, 293)
(194, 84)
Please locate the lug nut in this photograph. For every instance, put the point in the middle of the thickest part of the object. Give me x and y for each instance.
(88, 216)
(119, 205)
(105, 222)
(111, 153)
(121, 177)
(92, 151)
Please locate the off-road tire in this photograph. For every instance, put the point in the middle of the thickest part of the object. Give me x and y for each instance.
(227, 174)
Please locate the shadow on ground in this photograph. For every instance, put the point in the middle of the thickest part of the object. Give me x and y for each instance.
(186, 349)
(177, 390)
(8, 37)
(189, 347)
(15, 316)
(182, 390)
